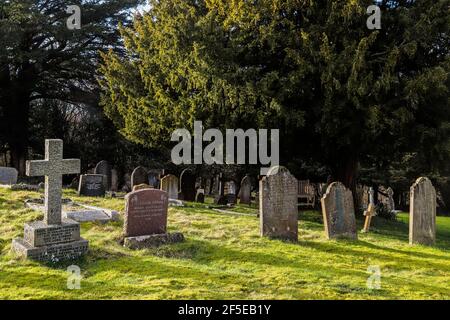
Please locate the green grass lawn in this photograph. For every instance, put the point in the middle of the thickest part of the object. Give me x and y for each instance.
(224, 257)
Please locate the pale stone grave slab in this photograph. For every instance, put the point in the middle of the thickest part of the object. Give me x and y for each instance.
(278, 205)
(338, 212)
(422, 213)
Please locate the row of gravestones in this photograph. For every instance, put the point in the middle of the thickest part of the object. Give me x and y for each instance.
(279, 212)
(96, 185)
(145, 223)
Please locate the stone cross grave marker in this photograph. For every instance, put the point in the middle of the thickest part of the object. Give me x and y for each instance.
(370, 212)
(422, 212)
(53, 168)
(338, 212)
(278, 205)
(53, 239)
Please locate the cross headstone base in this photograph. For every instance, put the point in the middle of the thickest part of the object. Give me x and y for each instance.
(51, 243)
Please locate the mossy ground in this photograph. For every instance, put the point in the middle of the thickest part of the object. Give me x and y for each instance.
(224, 257)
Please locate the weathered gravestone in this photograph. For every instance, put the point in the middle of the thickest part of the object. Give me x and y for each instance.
(53, 239)
(92, 185)
(278, 205)
(146, 219)
(169, 184)
(338, 212)
(8, 175)
(104, 168)
(187, 186)
(230, 192)
(422, 213)
(245, 191)
(139, 176)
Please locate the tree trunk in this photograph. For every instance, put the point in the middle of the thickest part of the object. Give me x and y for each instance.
(17, 118)
(346, 171)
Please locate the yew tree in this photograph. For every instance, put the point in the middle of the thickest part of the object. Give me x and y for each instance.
(340, 93)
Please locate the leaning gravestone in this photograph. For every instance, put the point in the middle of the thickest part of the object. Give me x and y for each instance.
(422, 213)
(169, 184)
(92, 185)
(53, 239)
(338, 212)
(8, 176)
(278, 205)
(187, 185)
(245, 191)
(146, 219)
(104, 168)
(139, 176)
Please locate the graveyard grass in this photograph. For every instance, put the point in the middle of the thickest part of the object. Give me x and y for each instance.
(223, 257)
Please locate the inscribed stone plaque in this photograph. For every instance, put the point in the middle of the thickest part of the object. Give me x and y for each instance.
(169, 184)
(338, 212)
(92, 185)
(187, 185)
(146, 213)
(278, 205)
(245, 191)
(8, 175)
(139, 176)
(104, 168)
(422, 213)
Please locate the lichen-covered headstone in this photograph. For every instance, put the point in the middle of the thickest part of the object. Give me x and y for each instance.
(245, 191)
(338, 212)
(139, 176)
(278, 205)
(8, 176)
(422, 213)
(169, 184)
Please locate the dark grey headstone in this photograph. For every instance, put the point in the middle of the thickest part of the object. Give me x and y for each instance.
(104, 168)
(8, 175)
(187, 185)
(92, 185)
(139, 176)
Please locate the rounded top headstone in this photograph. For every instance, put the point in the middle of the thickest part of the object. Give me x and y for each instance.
(277, 170)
